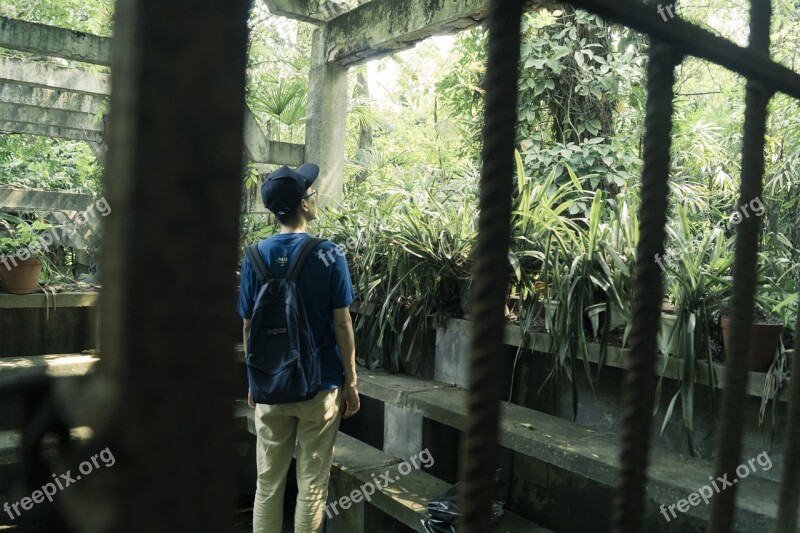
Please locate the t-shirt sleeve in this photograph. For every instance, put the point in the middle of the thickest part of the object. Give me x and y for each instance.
(341, 286)
(247, 296)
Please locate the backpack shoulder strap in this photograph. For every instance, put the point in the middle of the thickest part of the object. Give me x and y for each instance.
(302, 256)
(258, 263)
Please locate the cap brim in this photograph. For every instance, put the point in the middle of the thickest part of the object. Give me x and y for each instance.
(310, 172)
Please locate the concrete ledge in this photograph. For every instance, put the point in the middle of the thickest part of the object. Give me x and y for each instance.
(42, 301)
(11, 441)
(53, 365)
(618, 358)
(577, 449)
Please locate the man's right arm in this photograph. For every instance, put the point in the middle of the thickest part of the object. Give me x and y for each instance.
(345, 339)
(245, 336)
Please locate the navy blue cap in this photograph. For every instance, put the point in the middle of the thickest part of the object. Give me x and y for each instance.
(284, 188)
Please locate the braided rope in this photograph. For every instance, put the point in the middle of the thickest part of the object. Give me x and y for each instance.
(640, 380)
(729, 438)
(479, 444)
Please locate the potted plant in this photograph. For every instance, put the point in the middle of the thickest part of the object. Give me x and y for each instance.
(765, 338)
(667, 332)
(20, 254)
(698, 282)
(774, 298)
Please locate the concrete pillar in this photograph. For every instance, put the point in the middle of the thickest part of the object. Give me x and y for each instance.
(402, 432)
(326, 120)
(344, 520)
(452, 354)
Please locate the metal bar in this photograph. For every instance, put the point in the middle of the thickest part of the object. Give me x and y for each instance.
(729, 438)
(640, 379)
(169, 258)
(693, 40)
(479, 442)
(790, 481)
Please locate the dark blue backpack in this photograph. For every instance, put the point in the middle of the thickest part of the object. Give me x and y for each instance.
(283, 363)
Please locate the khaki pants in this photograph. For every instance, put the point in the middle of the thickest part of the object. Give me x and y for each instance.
(313, 426)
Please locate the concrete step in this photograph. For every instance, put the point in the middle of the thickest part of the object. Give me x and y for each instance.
(11, 442)
(582, 452)
(357, 465)
(54, 365)
(537, 439)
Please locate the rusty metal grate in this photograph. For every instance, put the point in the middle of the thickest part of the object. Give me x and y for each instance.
(670, 43)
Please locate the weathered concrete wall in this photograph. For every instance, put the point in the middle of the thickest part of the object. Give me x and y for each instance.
(402, 432)
(25, 332)
(368, 425)
(602, 410)
(452, 363)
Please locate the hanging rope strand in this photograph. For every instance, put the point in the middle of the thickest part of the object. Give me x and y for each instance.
(729, 438)
(640, 379)
(479, 444)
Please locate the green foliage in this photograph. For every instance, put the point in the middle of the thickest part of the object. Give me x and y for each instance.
(575, 73)
(48, 164)
(90, 16)
(409, 242)
(277, 72)
(23, 237)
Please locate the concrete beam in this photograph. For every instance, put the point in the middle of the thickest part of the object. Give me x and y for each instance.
(43, 200)
(49, 77)
(50, 117)
(261, 150)
(51, 132)
(54, 42)
(11, 93)
(59, 88)
(289, 154)
(293, 9)
(307, 11)
(382, 27)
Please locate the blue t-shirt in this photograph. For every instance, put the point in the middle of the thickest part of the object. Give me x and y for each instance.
(324, 284)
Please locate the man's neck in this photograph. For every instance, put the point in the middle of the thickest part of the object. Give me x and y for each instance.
(302, 227)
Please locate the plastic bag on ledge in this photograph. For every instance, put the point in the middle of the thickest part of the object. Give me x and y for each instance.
(445, 514)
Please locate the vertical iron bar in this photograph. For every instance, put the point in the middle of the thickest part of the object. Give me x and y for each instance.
(790, 482)
(479, 442)
(729, 438)
(640, 379)
(169, 257)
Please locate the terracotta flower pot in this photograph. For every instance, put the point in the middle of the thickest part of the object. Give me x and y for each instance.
(22, 278)
(764, 341)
